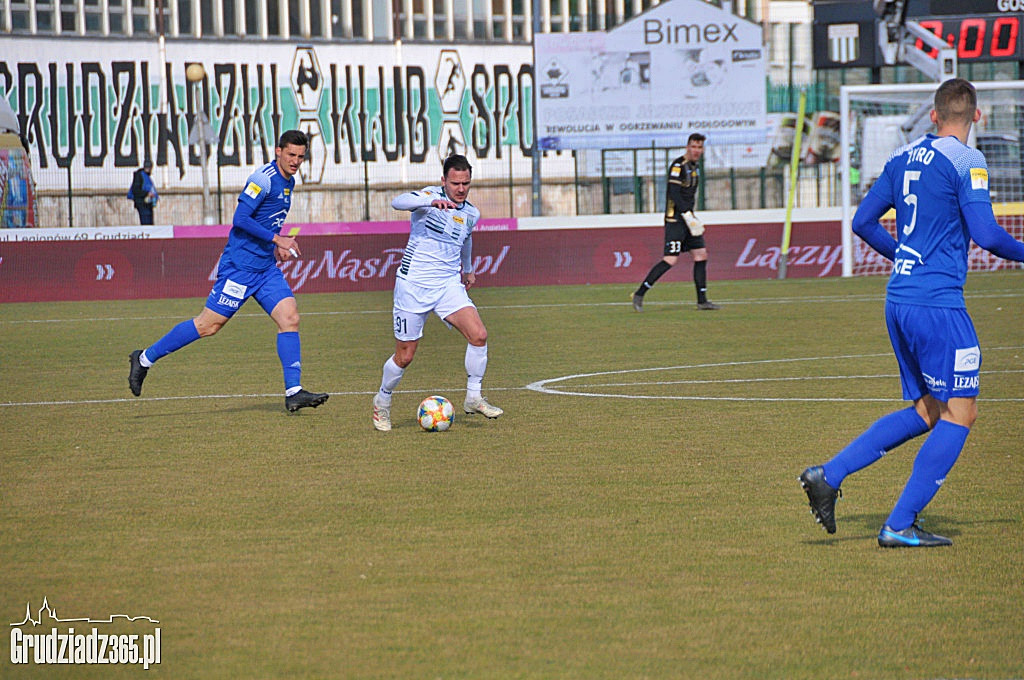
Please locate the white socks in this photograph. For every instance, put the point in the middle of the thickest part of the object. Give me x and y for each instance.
(392, 376)
(476, 365)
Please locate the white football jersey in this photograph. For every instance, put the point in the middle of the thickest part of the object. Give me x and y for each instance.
(437, 238)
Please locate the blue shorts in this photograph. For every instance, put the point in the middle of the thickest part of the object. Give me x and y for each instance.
(234, 286)
(937, 350)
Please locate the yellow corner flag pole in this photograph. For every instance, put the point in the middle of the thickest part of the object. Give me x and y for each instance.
(794, 167)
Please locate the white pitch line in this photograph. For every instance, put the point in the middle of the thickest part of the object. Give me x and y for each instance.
(241, 315)
(552, 305)
(140, 400)
(755, 380)
(542, 386)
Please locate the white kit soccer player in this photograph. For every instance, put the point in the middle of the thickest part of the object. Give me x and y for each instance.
(434, 276)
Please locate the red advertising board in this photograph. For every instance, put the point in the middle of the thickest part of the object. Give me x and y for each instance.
(184, 267)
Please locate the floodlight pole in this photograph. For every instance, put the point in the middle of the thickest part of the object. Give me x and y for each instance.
(201, 124)
(164, 85)
(536, 208)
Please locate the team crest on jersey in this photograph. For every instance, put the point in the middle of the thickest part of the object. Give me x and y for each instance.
(457, 219)
(252, 190)
(979, 178)
(287, 192)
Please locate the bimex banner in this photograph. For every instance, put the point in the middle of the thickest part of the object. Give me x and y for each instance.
(681, 67)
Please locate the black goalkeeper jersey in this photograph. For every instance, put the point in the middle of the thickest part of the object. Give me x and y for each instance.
(681, 192)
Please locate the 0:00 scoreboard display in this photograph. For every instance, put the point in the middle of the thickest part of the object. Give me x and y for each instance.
(978, 38)
(845, 32)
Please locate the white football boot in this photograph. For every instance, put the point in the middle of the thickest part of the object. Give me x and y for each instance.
(381, 416)
(480, 405)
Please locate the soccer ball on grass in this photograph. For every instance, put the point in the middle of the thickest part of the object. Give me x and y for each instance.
(435, 414)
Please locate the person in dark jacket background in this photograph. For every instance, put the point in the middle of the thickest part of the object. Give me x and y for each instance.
(143, 193)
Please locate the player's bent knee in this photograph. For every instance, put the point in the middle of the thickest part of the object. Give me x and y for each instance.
(287, 320)
(966, 416)
(289, 325)
(404, 355)
(962, 411)
(205, 330)
(478, 339)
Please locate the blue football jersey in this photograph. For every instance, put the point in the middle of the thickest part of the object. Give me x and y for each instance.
(270, 196)
(928, 181)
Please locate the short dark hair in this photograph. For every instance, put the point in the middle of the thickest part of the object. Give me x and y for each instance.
(456, 162)
(956, 100)
(696, 137)
(147, 165)
(295, 137)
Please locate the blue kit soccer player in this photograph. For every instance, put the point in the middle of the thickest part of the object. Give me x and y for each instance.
(939, 188)
(248, 268)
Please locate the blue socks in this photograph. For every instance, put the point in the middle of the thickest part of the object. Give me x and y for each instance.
(934, 461)
(289, 350)
(884, 435)
(183, 334)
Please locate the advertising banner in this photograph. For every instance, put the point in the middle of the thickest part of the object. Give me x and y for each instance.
(681, 67)
(90, 269)
(17, 202)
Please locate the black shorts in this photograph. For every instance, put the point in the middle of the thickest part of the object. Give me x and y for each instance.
(678, 239)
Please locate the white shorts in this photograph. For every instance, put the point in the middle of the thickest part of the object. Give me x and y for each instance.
(413, 303)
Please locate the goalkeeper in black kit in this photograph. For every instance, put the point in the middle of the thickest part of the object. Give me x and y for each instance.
(684, 232)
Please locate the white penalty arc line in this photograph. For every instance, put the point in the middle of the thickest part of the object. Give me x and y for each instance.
(796, 378)
(544, 386)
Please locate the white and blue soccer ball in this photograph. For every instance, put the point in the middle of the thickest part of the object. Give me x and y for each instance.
(435, 414)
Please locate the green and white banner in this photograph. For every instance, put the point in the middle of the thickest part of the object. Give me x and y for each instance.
(384, 110)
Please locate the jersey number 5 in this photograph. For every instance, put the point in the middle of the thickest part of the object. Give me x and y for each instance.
(910, 199)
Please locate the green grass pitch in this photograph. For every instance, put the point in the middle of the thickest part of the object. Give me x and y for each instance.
(634, 514)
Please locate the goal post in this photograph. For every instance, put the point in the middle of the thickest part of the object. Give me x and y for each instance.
(876, 119)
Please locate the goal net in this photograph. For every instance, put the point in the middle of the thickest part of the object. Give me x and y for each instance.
(875, 119)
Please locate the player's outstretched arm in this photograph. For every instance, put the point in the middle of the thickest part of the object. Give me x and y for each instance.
(867, 226)
(986, 232)
(413, 200)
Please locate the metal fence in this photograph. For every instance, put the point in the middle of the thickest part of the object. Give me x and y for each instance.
(572, 183)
